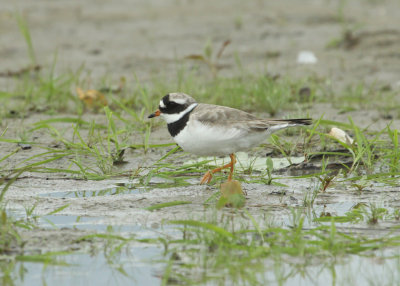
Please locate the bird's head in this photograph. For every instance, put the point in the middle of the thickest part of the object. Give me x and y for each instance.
(173, 106)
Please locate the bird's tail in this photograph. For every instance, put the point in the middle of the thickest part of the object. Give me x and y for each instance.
(279, 124)
(299, 121)
(291, 122)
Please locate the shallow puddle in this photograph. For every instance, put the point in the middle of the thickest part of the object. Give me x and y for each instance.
(98, 224)
(136, 266)
(352, 270)
(80, 222)
(120, 209)
(334, 209)
(144, 266)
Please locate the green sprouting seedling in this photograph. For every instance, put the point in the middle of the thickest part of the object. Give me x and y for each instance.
(370, 213)
(209, 59)
(326, 181)
(374, 213)
(3, 160)
(355, 215)
(359, 187)
(10, 239)
(364, 150)
(270, 168)
(362, 184)
(271, 93)
(29, 211)
(396, 214)
(113, 134)
(137, 121)
(296, 217)
(310, 197)
(24, 29)
(393, 154)
(311, 132)
(238, 22)
(145, 98)
(247, 166)
(346, 40)
(103, 159)
(284, 148)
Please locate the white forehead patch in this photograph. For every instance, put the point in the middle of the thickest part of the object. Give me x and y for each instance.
(181, 101)
(162, 105)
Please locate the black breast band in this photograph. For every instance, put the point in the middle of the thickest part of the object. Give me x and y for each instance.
(175, 127)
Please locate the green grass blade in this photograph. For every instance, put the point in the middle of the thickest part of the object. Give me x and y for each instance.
(24, 29)
(43, 123)
(166, 205)
(58, 209)
(204, 225)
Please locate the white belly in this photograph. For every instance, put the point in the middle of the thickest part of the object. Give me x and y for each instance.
(205, 140)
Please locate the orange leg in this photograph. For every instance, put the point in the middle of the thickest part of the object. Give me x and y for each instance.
(208, 176)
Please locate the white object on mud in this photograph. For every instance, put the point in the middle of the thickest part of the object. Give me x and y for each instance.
(341, 135)
(306, 57)
(245, 162)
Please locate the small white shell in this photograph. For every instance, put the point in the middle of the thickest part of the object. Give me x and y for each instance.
(341, 135)
(306, 57)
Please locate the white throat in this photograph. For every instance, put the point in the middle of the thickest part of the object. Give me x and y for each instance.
(170, 118)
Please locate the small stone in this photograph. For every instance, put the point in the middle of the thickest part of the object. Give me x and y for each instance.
(25, 146)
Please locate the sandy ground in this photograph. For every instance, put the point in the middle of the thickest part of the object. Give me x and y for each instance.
(150, 39)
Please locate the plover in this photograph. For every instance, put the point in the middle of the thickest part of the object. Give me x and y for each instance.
(213, 130)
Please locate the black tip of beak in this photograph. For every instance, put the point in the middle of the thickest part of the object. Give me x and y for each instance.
(154, 114)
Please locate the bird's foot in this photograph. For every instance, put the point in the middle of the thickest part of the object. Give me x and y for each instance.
(206, 178)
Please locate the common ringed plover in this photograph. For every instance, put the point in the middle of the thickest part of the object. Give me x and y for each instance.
(213, 130)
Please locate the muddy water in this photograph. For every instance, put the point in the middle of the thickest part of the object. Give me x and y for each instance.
(125, 214)
(86, 269)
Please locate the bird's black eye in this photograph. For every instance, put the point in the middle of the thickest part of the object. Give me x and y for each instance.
(172, 104)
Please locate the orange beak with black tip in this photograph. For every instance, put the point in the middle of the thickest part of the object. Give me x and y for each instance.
(155, 114)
